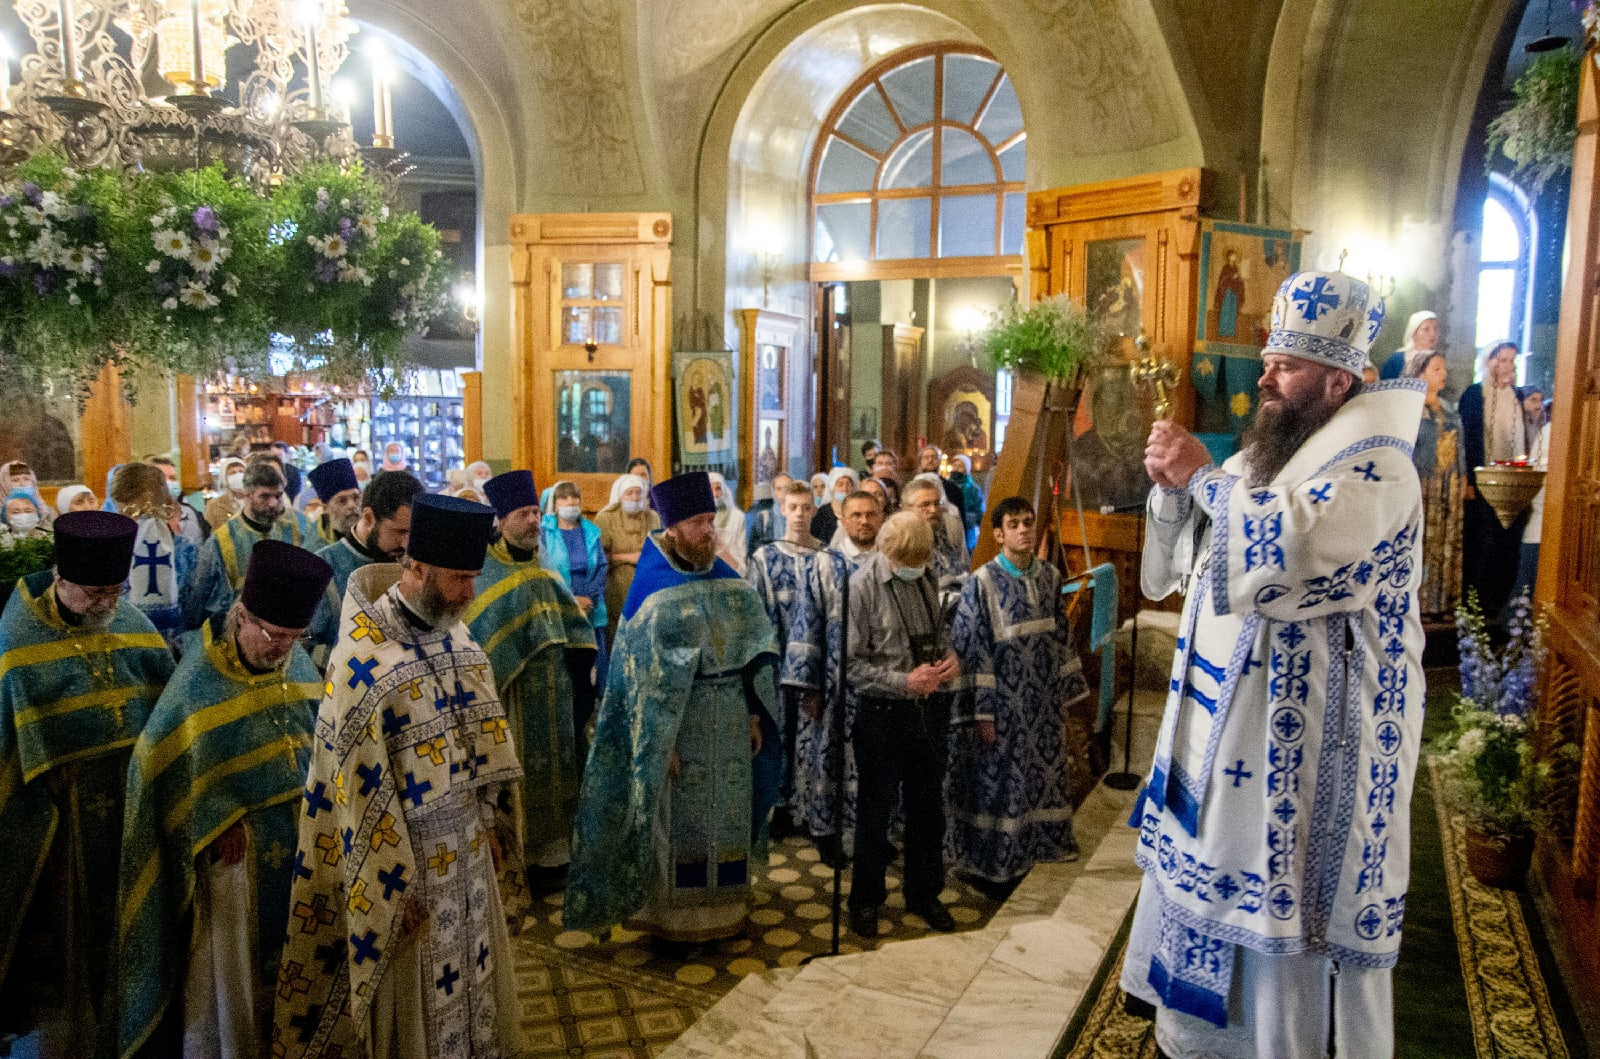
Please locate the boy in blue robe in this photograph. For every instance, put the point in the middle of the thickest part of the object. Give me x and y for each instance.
(672, 805)
(80, 669)
(213, 802)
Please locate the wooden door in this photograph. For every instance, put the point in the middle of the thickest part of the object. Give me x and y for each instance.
(1569, 568)
(832, 345)
(903, 375)
(592, 303)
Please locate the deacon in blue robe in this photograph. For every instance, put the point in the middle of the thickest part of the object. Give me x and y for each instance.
(1010, 790)
(541, 648)
(80, 669)
(213, 803)
(216, 581)
(673, 806)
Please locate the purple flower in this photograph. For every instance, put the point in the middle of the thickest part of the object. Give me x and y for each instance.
(30, 191)
(166, 287)
(41, 281)
(6, 201)
(7, 270)
(205, 219)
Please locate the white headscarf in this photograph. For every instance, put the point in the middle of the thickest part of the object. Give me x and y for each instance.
(730, 524)
(1417, 320)
(623, 483)
(833, 482)
(68, 493)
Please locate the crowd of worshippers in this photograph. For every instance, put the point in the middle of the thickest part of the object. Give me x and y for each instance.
(284, 781)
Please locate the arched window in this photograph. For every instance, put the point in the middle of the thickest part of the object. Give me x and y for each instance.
(1505, 264)
(923, 159)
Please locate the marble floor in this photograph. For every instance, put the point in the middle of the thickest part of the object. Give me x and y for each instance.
(1008, 990)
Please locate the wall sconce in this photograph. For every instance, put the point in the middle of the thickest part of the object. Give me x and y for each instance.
(466, 296)
(769, 267)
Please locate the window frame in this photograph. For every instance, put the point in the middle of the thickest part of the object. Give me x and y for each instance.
(1517, 206)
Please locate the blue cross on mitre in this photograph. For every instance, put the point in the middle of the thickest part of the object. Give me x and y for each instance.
(1316, 298)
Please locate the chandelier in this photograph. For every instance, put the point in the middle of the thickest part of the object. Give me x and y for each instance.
(167, 85)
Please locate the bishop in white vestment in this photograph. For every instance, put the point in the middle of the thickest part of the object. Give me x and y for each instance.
(1275, 824)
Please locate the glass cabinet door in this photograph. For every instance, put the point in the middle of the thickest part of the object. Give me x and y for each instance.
(592, 419)
(591, 303)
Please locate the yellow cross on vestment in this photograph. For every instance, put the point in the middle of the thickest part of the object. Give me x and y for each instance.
(384, 834)
(497, 728)
(441, 861)
(433, 750)
(329, 846)
(359, 901)
(367, 629)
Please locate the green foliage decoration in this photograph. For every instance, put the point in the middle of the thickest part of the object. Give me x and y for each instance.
(1538, 132)
(1054, 336)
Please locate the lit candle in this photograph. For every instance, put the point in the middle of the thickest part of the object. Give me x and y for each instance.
(382, 101)
(313, 61)
(198, 78)
(69, 40)
(5, 76)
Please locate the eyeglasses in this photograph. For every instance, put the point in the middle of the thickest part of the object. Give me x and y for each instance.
(304, 639)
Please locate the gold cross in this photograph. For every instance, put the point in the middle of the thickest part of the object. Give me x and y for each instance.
(339, 796)
(367, 629)
(275, 855)
(384, 834)
(441, 861)
(329, 846)
(291, 981)
(497, 728)
(414, 687)
(433, 750)
(359, 902)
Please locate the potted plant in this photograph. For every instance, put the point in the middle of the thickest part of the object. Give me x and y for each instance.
(1538, 132)
(1055, 337)
(1493, 773)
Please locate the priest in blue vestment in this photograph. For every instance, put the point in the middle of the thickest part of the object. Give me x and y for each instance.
(398, 945)
(379, 536)
(216, 581)
(80, 669)
(683, 770)
(1010, 773)
(542, 649)
(209, 833)
(340, 494)
(1275, 826)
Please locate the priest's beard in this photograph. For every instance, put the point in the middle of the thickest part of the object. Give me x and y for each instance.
(431, 606)
(1279, 429)
(530, 543)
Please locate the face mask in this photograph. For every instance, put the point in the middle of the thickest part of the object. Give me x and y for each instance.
(569, 512)
(840, 494)
(819, 500)
(910, 573)
(633, 507)
(236, 481)
(175, 489)
(24, 523)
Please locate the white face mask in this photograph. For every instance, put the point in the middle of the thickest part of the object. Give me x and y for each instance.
(841, 494)
(236, 481)
(910, 573)
(24, 523)
(633, 507)
(569, 512)
(175, 489)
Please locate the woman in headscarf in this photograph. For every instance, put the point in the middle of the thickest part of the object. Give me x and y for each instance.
(163, 558)
(819, 489)
(394, 456)
(1441, 461)
(570, 547)
(478, 472)
(18, 475)
(624, 523)
(22, 516)
(1422, 336)
(730, 524)
(229, 496)
(362, 462)
(840, 483)
(76, 498)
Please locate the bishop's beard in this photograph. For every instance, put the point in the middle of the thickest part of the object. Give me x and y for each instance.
(1279, 429)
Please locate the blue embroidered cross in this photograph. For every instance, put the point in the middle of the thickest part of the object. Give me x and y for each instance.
(414, 790)
(1374, 321)
(472, 765)
(1316, 299)
(316, 800)
(446, 982)
(1388, 736)
(361, 672)
(1262, 496)
(483, 955)
(331, 955)
(300, 869)
(366, 948)
(370, 774)
(1292, 635)
(1226, 887)
(348, 836)
(459, 701)
(306, 1023)
(154, 561)
(1288, 725)
(1369, 471)
(1321, 494)
(1285, 812)
(393, 879)
(393, 722)
(1379, 825)
(1369, 922)
(1238, 772)
(1249, 664)
(1282, 902)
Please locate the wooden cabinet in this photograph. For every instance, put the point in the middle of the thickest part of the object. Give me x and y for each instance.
(592, 305)
(776, 401)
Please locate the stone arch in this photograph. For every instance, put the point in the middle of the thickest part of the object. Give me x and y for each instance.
(439, 63)
(754, 154)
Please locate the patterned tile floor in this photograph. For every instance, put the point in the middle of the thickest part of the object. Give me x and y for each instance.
(599, 1013)
(790, 919)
